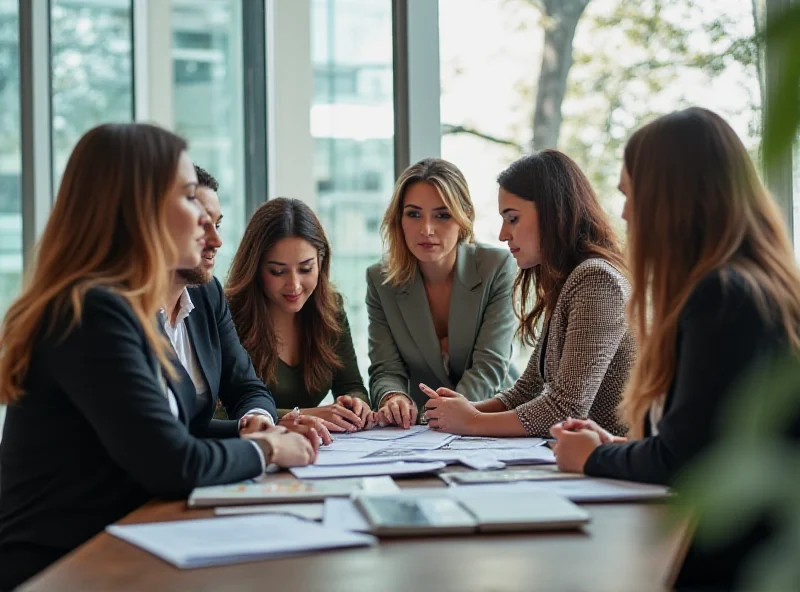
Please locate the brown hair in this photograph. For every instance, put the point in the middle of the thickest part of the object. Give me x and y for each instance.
(572, 225)
(449, 182)
(696, 203)
(320, 318)
(107, 228)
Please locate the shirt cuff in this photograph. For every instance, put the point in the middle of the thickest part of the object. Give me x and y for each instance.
(261, 456)
(258, 411)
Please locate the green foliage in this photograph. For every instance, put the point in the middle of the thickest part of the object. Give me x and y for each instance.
(783, 114)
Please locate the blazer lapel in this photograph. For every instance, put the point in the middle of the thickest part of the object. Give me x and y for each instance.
(204, 357)
(413, 303)
(465, 310)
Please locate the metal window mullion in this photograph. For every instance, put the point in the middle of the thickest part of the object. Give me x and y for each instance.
(35, 122)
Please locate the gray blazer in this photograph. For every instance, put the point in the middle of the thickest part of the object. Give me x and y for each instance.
(588, 356)
(404, 349)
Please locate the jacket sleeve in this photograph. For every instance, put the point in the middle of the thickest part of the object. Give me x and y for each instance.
(103, 367)
(596, 325)
(347, 380)
(240, 389)
(387, 371)
(492, 352)
(721, 334)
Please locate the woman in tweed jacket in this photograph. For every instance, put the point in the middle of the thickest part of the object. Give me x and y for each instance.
(572, 266)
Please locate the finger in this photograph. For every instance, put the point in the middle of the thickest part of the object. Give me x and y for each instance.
(384, 417)
(342, 423)
(557, 431)
(323, 432)
(414, 412)
(332, 427)
(348, 415)
(432, 404)
(345, 400)
(405, 414)
(397, 417)
(313, 437)
(433, 424)
(244, 423)
(434, 413)
(446, 392)
(428, 391)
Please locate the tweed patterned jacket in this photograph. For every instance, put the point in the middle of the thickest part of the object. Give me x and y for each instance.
(589, 354)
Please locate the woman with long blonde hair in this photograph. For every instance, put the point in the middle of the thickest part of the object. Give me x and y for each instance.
(99, 407)
(439, 304)
(716, 291)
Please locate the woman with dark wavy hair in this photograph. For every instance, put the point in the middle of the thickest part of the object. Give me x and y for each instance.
(290, 318)
(572, 268)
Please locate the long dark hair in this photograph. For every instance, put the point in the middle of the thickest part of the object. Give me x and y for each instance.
(572, 225)
(320, 318)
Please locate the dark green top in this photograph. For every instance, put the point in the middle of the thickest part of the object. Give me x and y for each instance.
(289, 390)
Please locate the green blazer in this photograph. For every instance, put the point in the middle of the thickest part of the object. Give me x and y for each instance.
(404, 349)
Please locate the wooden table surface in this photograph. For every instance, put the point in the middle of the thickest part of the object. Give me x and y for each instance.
(630, 546)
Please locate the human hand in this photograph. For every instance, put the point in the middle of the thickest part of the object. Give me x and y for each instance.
(572, 449)
(359, 407)
(337, 418)
(291, 423)
(253, 422)
(285, 448)
(575, 425)
(447, 411)
(397, 409)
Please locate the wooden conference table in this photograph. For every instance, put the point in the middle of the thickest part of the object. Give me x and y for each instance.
(626, 546)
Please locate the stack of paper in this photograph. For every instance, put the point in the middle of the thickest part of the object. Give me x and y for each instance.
(220, 541)
(364, 470)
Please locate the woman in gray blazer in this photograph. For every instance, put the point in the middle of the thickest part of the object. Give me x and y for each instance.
(439, 305)
(573, 269)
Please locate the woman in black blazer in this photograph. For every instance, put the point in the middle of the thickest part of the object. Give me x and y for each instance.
(98, 408)
(716, 292)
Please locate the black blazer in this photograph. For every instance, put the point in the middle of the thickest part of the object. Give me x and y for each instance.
(93, 438)
(226, 365)
(722, 336)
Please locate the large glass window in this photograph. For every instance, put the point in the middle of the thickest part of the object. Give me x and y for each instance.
(10, 165)
(209, 104)
(626, 63)
(352, 124)
(92, 70)
(10, 197)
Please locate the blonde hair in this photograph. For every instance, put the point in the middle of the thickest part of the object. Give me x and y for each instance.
(449, 182)
(107, 228)
(696, 204)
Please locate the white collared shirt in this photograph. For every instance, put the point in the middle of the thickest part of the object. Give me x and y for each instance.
(179, 336)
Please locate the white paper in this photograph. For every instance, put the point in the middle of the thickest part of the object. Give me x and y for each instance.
(235, 539)
(353, 445)
(342, 514)
(381, 434)
(577, 490)
(479, 443)
(527, 456)
(312, 511)
(393, 468)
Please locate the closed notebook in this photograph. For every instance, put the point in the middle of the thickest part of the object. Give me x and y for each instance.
(221, 541)
(440, 513)
(277, 491)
